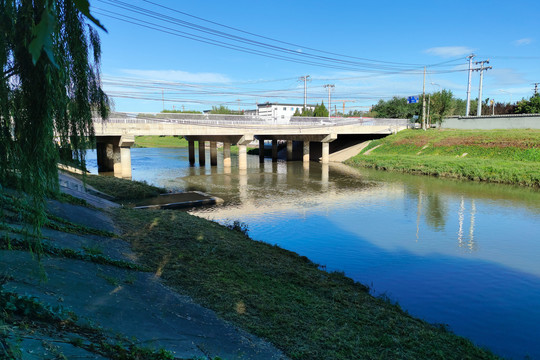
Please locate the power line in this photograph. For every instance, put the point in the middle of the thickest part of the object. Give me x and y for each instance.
(272, 39)
(299, 57)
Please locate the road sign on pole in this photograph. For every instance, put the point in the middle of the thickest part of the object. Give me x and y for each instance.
(412, 99)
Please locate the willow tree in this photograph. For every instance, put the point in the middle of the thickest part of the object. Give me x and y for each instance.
(49, 88)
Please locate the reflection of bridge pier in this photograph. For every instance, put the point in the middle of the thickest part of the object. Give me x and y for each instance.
(307, 139)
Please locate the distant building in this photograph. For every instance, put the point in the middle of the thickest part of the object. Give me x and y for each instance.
(279, 113)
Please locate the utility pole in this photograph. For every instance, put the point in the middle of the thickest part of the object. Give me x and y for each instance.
(428, 105)
(344, 101)
(163, 98)
(238, 104)
(305, 79)
(329, 87)
(424, 101)
(470, 57)
(535, 88)
(481, 69)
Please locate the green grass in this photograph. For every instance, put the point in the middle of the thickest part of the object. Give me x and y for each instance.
(122, 189)
(281, 296)
(160, 142)
(501, 156)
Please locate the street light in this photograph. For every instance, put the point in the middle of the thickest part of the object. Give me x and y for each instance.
(508, 92)
(440, 87)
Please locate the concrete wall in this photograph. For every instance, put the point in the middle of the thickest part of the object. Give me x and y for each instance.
(522, 121)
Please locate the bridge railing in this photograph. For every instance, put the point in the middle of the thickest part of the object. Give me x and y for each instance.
(336, 121)
(235, 120)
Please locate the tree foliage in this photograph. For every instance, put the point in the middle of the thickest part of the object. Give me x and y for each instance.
(396, 108)
(224, 110)
(50, 85)
(320, 110)
(166, 111)
(317, 111)
(442, 104)
(531, 106)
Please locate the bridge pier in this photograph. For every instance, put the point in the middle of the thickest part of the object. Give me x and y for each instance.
(325, 153)
(261, 151)
(191, 151)
(202, 153)
(114, 154)
(305, 157)
(290, 150)
(242, 157)
(226, 155)
(242, 150)
(274, 150)
(213, 153)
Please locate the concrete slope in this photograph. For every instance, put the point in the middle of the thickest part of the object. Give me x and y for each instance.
(131, 303)
(348, 152)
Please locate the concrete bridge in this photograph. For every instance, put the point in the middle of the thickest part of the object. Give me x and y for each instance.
(313, 136)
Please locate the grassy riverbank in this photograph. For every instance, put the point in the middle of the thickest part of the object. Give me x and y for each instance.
(500, 156)
(121, 189)
(160, 142)
(279, 295)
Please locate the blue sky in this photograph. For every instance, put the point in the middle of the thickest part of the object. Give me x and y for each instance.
(368, 50)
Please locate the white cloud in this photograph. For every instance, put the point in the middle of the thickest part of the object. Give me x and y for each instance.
(178, 75)
(449, 51)
(523, 42)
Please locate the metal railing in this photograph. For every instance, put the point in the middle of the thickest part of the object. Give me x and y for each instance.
(243, 120)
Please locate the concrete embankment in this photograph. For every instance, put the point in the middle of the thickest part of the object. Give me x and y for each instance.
(93, 280)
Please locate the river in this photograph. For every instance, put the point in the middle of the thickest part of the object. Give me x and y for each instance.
(451, 252)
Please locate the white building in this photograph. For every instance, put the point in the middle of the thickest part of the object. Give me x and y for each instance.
(279, 113)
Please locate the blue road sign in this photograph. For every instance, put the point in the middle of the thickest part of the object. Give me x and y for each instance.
(412, 99)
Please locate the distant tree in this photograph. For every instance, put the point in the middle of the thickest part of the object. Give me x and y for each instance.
(531, 106)
(297, 112)
(320, 110)
(396, 108)
(224, 110)
(504, 108)
(460, 106)
(181, 112)
(307, 112)
(354, 113)
(442, 104)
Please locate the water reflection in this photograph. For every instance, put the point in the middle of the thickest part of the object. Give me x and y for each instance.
(469, 243)
(449, 251)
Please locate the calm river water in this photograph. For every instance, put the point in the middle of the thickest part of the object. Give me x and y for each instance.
(450, 252)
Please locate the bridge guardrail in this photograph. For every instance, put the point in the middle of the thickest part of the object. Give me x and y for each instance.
(234, 120)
